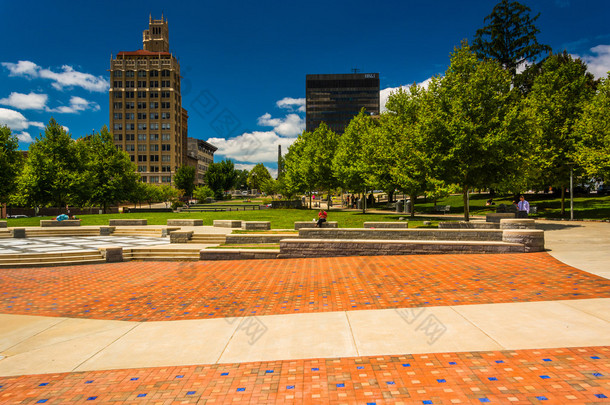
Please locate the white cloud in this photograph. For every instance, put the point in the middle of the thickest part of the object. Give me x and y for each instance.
(599, 62)
(77, 104)
(68, 77)
(22, 101)
(257, 146)
(291, 125)
(385, 93)
(24, 137)
(16, 121)
(292, 103)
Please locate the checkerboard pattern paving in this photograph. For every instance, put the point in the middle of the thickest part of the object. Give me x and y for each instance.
(147, 291)
(74, 243)
(553, 376)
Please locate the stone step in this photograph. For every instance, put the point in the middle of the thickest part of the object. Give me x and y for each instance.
(239, 254)
(61, 232)
(53, 264)
(49, 254)
(161, 254)
(51, 259)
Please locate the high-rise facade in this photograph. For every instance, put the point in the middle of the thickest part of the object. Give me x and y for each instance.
(146, 114)
(336, 98)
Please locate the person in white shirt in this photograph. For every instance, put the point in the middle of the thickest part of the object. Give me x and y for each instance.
(523, 206)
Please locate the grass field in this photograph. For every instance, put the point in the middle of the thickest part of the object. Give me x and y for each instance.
(591, 207)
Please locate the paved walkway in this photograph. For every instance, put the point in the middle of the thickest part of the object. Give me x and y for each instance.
(352, 331)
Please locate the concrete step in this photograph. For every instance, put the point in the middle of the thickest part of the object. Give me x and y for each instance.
(154, 232)
(61, 232)
(50, 259)
(210, 238)
(161, 254)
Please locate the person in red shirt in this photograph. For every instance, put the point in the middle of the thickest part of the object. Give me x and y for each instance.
(321, 218)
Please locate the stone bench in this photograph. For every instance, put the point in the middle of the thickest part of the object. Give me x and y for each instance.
(532, 239)
(128, 222)
(238, 254)
(180, 236)
(298, 248)
(185, 222)
(106, 230)
(468, 225)
(306, 224)
(390, 225)
(497, 216)
(442, 209)
(242, 239)
(255, 225)
(517, 223)
(45, 223)
(3, 224)
(112, 254)
(227, 223)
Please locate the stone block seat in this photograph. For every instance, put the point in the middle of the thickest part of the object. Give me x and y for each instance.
(185, 222)
(468, 225)
(227, 223)
(2, 224)
(45, 223)
(390, 225)
(256, 225)
(307, 224)
(128, 222)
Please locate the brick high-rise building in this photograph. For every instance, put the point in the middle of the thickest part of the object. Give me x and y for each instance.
(336, 98)
(146, 114)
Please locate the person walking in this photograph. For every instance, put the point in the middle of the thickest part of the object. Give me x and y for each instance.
(321, 218)
(523, 206)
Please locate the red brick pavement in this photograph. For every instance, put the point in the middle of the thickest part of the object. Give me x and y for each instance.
(147, 291)
(553, 376)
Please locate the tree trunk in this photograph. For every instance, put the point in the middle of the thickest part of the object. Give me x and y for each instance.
(563, 199)
(363, 202)
(412, 198)
(465, 199)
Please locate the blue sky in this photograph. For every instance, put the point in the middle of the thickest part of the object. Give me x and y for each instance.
(248, 60)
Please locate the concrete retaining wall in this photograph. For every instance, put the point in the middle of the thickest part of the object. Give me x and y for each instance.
(517, 223)
(244, 239)
(45, 223)
(180, 236)
(227, 223)
(532, 239)
(127, 222)
(404, 234)
(306, 224)
(294, 248)
(238, 254)
(384, 225)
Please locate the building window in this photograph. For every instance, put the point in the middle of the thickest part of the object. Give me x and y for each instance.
(143, 179)
(166, 158)
(129, 137)
(118, 137)
(117, 106)
(165, 83)
(154, 137)
(130, 147)
(141, 83)
(129, 105)
(141, 73)
(166, 169)
(154, 169)
(154, 83)
(129, 116)
(165, 125)
(141, 104)
(141, 148)
(118, 116)
(132, 158)
(164, 105)
(142, 127)
(154, 179)
(154, 148)
(154, 94)
(165, 115)
(154, 105)
(154, 116)
(154, 158)
(141, 137)
(130, 83)
(129, 127)
(165, 137)
(165, 73)
(165, 147)
(154, 73)
(118, 73)
(141, 158)
(129, 94)
(118, 127)
(118, 94)
(119, 147)
(141, 169)
(129, 73)
(166, 179)
(141, 94)
(165, 94)
(154, 126)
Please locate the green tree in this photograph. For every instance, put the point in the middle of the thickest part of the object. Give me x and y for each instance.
(593, 130)
(257, 176)
(241, 183)
(221, 177)
(202, 192)
(55, 171)
(316, 161)
(466, 122)
(10, 163)
(169, 194)
(552, 108)
(293, 179)
(510, 36)
(112, 175)
(184, 179)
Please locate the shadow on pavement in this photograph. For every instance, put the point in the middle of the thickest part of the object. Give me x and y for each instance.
(555, 227)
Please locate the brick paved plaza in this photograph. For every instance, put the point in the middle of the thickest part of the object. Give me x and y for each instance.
(518, 328)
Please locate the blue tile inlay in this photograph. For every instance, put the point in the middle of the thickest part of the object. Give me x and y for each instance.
(141, 395)
(240, 389)
(499, 361)
(441, 380)
(427, 402)
(595, 357)
(541, 398)
(492, 379)
(547, 360)
(43, 384)
(601, 396)
(544, 377)
(91, 398)
(484, 400)
(224, 373)
(360, 367)
(453, 363)
(390, 382)
(315, 369)
(41, 401)
(597, 374)
(290, 387)
(191, 393)
(135, 379)
(406, 365)
(269, 371)
(340, 385)
(180, 376)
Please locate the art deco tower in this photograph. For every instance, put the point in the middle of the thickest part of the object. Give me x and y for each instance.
(146, 114)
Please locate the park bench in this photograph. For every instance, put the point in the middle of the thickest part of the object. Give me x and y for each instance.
(442, 208)
(53, 222)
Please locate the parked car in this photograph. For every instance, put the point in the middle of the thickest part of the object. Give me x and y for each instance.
(604, 189)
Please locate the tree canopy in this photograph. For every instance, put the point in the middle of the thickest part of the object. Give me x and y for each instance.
(184, 179)
(10, 163)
